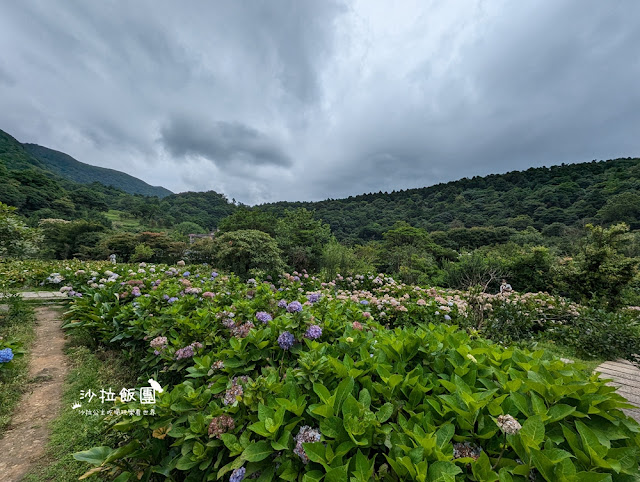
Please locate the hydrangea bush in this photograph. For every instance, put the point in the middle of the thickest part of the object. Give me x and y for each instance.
(331, 388)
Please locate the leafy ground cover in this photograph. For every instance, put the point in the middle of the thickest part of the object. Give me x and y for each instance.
(16, 333)
(360, 378)
(357, 378)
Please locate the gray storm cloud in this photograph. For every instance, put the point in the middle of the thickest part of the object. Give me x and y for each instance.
(305, 100)
(221, 142)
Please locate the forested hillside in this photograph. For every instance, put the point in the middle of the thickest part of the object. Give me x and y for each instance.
(520, 206)
(16, 156)
(547, 199)
(43, 183)
(69, 168)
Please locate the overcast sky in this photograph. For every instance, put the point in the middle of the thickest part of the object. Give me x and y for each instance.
(305, 100)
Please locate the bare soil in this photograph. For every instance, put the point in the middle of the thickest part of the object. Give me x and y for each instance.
(24, 442)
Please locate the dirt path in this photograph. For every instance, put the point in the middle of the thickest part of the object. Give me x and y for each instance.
(24, 442)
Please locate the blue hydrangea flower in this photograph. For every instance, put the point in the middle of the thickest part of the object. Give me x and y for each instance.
(294, 306)
(214, 275)
(314, 297)
(173, 299)
(364, 302)
(447, 317)
(6, 355)
(186, 273)
(313, 332)
(237, 475)
(285, 340)
(263, 316)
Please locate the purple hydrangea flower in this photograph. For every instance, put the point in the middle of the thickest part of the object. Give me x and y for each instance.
(165, 296)
(313, 332)
(294, 306)
(263, 316)
(214, 275)
(364, 302)
(285, 340)
(296, 278)
(188, 351)
(171, 300)
(314, 297)
(282, 304)
(237, 475)
(135, 291)
(6, 355)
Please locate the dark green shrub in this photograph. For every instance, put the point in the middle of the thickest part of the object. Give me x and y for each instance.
(600, 333)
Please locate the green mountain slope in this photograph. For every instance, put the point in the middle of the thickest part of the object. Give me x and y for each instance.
(69, 168)
(544, 198)
(13, 154)
(16, 156)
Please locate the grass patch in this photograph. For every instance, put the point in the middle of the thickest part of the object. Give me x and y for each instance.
(123, 221)
(16, 328)
(71, 431)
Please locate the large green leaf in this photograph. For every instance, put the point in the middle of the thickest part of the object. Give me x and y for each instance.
(95, 455)
(532, 432)
(384, 412)
(257, 451)
(443, 471)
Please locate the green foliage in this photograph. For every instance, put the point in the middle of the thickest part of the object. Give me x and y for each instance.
(387, 404)
(529, 269)
(16, 239)
(600, 271)
(337, 258)
(302, 239)
(124, 245)
(206, 209)
(16, 333)
(187, 227)
(500, 204)
(600, 333)
(624, 207)
(474, 270)
(246, 250)
(245, 218)
(411, 253)
(69, 168)
(69, 239)
(142, 252)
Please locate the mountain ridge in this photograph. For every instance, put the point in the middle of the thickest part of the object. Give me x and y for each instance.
(21, 156)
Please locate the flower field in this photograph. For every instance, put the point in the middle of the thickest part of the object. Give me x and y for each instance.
(357, 379)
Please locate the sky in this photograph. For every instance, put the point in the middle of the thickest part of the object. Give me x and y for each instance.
(314, 99)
